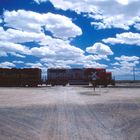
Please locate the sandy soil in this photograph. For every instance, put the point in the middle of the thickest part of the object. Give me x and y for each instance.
(69, 113)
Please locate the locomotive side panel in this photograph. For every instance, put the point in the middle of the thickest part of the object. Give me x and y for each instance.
(77, 77)
(57, 76)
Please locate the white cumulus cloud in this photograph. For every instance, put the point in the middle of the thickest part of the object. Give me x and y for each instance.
(34, 65)
(52, 51)
(124, 65)
(18, 62)
(0, 20)
(112, 13)
(127, 58)
(3, 53)
(137, 26)
(18, 36)
(40, 1)
(60, 26)
(124, 38)
(7, 65)
(100, 49)
(9, 47)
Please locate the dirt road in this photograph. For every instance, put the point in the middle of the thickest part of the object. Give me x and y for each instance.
(69, 113)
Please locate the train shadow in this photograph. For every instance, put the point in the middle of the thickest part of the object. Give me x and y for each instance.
(90, 93)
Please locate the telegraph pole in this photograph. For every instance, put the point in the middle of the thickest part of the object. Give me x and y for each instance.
(134, 78)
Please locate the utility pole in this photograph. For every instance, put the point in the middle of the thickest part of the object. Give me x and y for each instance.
(134, 74)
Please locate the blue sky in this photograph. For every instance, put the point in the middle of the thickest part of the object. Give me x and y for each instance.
(71, 33)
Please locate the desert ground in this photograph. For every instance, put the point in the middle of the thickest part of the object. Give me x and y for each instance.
(69, 113)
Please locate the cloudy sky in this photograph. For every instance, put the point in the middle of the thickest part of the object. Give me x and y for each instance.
(71, 33)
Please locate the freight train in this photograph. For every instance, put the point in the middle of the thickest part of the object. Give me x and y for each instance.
(31, 77)
(20, 77)
(79, 76)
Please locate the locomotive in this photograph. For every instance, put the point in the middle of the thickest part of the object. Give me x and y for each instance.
(79, 76)
(30, 77)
